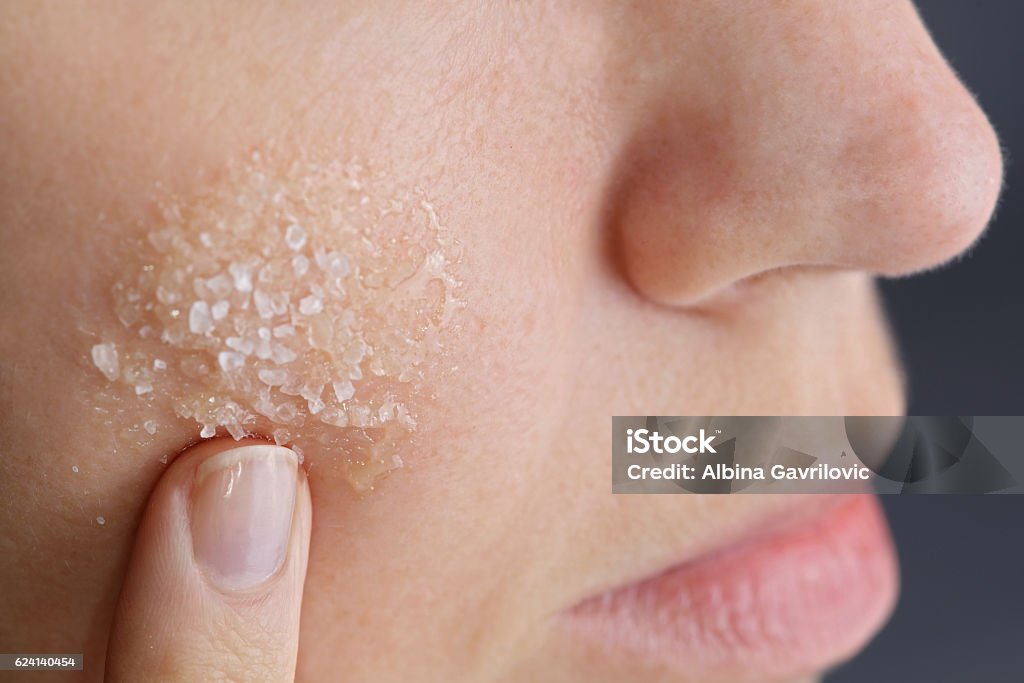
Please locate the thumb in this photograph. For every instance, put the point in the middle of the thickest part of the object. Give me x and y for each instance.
(214, 585)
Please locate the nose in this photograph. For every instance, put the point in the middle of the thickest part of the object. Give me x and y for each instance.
(822, 135)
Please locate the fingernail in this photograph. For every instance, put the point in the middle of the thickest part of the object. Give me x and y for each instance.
(242, 503)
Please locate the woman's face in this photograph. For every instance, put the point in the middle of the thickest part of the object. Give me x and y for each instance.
(653, 208)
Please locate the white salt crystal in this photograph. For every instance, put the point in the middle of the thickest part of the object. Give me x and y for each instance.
(262, 302)
(244, 346)
(236, 430)
(273, 376)
(435, 262)
(220, 309)
(359, 416)
(264, 406)
(264, 333)
(286, 412)
(334, 264)
(404, 417)
(162, 240)
(311, 391)
(343, 390)
(284, 331)
(220, 285)
(263, 349)
(334, 416)
(230, 361)
(279, 303)
(320, 331)
(282, 354)
(149, 426)
(242, 276)
(315, 405)
(129, 313)
(320, 256)
(104, 357)
(295, 237)
(74, 468)
(355, 352)
(143, 387)
(199, 320)
(310, 305)
(300, 264)
(171, 336)
(292, 385)
(159, 364)
(207, 431)
(101, 520)
(269, 273)
(167, 296)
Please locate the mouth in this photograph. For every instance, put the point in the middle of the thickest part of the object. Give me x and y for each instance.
(788, 599)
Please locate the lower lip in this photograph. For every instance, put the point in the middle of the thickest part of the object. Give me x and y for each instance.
(783, 603)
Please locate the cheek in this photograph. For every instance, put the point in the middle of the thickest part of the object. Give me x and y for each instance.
(300, 300)
(523, 270)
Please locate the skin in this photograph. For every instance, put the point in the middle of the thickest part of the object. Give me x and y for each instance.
(672, 208)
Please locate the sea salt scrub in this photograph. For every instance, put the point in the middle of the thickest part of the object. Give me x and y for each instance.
(299, 301)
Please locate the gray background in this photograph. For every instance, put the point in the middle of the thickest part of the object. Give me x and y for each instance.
(962, 334)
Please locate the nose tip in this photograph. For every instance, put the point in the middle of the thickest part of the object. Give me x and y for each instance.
(922, 187)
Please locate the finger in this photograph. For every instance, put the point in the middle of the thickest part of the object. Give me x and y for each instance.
(214, 585)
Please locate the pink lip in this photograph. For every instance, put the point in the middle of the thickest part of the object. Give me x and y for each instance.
(783, 602)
